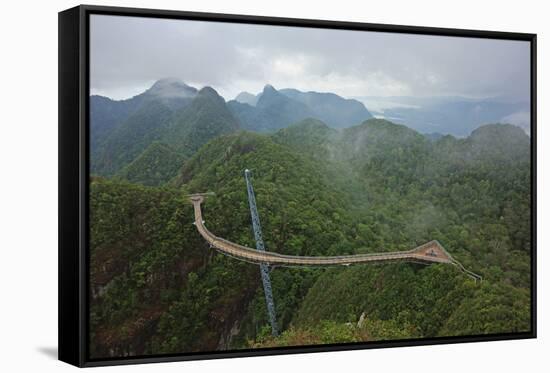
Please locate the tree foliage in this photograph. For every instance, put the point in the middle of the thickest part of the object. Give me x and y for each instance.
(158, 288)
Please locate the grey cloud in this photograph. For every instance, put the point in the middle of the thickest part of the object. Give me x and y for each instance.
(128, 54)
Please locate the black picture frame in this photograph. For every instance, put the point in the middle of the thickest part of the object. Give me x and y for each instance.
(74, 186)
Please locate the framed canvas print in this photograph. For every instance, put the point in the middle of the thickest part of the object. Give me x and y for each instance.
(236, 186)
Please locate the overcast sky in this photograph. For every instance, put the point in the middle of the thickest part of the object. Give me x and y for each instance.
(128, 54)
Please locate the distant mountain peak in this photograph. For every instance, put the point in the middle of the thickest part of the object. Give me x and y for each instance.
(268, 88)
(247, 98)
(169, 80)
(211, 93)
(332, 109)
(171, 88)
(491, 131)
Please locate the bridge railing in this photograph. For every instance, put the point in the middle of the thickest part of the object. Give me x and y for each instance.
(255, 256)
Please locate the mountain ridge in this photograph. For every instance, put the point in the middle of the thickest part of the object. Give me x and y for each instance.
(185, 118)
(170, 112)
(382, 187)
(336, 111)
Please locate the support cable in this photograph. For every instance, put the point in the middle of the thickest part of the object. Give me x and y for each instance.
(264, 268)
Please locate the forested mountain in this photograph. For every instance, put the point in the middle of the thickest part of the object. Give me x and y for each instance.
(207, 117)
(247, 98)
(330, 108)
(171, 92)
(169, 112)
(274, 109)
(185, 118)
(157, 165)
(310, 136)
(462, 197)
(107, 114)
(131, 137)
(158, 288)
(169, 292)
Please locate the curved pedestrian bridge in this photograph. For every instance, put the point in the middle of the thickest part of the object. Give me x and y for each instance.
(429, 253)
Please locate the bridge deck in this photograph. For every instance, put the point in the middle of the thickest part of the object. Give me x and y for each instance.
(431, 252)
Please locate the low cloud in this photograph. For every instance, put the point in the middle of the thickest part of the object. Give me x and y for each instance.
(521, 119)
(129, 53)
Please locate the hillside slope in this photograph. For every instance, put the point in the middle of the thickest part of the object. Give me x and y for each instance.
(378, 186)
(156, 165)
(169, 112)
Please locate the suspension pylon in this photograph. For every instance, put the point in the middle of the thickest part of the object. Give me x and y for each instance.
(264, 268)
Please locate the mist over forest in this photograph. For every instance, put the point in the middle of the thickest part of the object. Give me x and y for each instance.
(332, 176)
